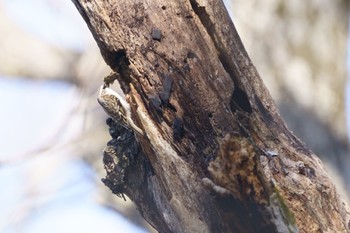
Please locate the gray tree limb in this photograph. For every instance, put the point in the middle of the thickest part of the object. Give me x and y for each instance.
(216, 155)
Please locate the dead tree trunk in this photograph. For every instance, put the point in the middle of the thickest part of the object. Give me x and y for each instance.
(216, 155)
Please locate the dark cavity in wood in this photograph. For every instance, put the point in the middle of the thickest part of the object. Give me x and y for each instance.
(240, 101)
(156, 34)
(178, 129)
(166, 90)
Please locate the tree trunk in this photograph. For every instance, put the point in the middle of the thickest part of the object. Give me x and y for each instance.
(216, 155)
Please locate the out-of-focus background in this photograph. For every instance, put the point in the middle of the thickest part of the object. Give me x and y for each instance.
(53, 131)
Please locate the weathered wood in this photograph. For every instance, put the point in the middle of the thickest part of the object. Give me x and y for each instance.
(216, 155)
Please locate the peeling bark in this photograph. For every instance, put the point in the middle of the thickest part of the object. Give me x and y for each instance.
(216, 155)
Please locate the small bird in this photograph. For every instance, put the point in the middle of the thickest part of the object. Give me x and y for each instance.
(117, 108)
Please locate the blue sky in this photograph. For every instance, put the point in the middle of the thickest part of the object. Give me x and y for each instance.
(48, 189)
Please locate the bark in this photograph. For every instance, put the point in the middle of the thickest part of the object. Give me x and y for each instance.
(216, 155)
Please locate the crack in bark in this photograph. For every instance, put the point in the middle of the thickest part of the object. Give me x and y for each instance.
(209, 26)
